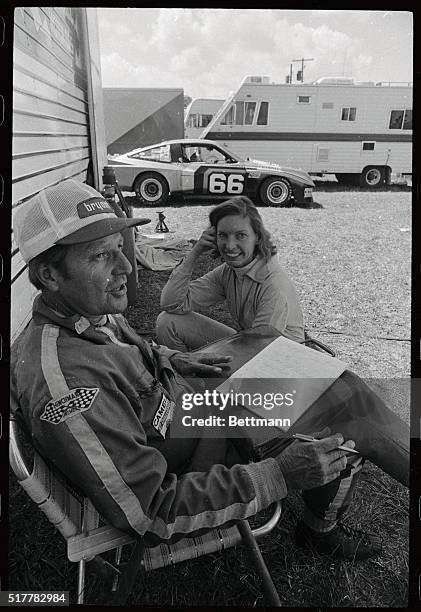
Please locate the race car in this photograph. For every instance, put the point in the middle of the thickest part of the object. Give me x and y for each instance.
(201, 168)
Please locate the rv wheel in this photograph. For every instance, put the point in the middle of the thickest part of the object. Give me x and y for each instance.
(151, 189)
(275, 192)
(372, 176)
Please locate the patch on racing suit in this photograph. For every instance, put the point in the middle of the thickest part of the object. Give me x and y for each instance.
(76, 400)
(163, 416)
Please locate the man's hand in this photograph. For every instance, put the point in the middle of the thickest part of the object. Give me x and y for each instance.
(306, 465)
(206, 242)
(201, 364)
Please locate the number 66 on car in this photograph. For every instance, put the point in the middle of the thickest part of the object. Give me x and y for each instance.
(203, 169)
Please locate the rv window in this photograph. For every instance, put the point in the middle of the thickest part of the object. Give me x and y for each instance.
(407, 122)
(262, 118)
(229, 117)
(244, 112)
(239, 113)
(368, 146)
(304, 99)
(349, 113)
(401, 119)
(205, 120)
(192, 121)
(249, 114)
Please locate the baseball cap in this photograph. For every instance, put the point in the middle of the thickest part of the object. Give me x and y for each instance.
(68, 213)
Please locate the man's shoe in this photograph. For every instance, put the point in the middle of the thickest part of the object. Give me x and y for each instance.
(342, 541)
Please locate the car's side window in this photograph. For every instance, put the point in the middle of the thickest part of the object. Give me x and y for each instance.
(161, 154)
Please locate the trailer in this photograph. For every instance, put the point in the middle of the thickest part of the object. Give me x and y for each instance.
(58, 125)
(359, 131)
(198, 115)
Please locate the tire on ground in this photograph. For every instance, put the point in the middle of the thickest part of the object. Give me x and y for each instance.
(276, 191)
(372, 176)
(151, 189)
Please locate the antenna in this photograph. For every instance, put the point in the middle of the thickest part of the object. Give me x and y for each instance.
(300, 73)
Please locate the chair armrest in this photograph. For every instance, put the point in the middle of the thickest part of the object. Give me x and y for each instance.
(91, 543)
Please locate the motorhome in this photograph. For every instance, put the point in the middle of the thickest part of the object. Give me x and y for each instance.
(359, 131)
(198, 115)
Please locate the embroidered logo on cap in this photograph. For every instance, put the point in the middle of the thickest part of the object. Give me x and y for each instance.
(77, 400)
(93, 206)
(163, 416)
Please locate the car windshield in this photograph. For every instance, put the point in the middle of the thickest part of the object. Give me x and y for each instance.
(235, 156)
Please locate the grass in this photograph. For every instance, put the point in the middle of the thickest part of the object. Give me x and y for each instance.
(350, 261)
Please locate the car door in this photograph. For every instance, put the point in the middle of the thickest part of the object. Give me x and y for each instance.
(210, 172)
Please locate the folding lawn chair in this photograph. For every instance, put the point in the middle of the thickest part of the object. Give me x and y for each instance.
(88, 536)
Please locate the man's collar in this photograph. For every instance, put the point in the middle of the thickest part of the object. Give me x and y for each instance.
(52, 309)
(83, 323)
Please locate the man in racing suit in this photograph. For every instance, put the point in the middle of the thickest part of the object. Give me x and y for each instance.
(98, 400)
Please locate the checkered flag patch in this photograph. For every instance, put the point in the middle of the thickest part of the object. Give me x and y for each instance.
(75, 401)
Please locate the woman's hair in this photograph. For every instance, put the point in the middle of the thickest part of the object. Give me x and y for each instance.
(54, 256)
(240, 205)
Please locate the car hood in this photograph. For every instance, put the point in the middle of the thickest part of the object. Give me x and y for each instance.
(297, 173)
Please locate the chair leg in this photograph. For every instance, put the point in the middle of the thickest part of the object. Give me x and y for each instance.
(269, 590)
(81, 581)
(128, 576)
(117, 561)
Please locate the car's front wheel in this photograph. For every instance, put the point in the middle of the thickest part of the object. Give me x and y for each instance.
(276, 192)
(151, 189)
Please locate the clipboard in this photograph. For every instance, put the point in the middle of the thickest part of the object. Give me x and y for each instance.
(276, 366)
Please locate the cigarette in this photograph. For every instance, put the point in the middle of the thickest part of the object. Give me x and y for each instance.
(306, 438)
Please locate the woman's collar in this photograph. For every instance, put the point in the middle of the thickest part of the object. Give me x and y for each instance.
(240, 272)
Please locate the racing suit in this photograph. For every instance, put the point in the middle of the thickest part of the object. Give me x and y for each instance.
(98, 402)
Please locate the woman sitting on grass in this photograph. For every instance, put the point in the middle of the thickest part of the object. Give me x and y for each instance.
(256, 288)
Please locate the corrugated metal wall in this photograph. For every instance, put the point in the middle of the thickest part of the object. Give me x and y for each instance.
(50, 118)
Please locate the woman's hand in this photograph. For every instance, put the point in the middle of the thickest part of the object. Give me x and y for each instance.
(206, 242)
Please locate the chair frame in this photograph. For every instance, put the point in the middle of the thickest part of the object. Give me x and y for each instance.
(77, 521)
(317, 345)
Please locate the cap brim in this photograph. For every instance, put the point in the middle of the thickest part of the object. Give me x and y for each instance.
(100, 229)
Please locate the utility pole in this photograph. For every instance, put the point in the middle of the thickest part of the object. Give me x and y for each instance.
(302, 60)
